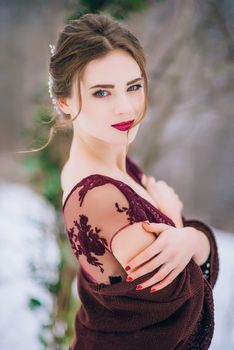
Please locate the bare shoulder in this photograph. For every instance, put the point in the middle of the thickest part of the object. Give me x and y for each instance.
(69, 178)
(73, 173)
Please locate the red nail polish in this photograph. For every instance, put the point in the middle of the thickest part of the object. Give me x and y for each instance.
(139, 287)
(127, 268)
(129, 279)
(153, 290)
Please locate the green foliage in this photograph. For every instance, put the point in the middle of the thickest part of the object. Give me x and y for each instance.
(44, 166)
(53, 288)
(74, 305)
(34, 303)
(120, 9)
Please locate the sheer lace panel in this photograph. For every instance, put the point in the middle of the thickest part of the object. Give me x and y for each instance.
(99, 207)
(94, 214)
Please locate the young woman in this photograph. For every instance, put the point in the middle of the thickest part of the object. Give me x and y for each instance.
(98, 79)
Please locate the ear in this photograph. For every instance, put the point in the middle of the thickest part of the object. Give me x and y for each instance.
(64, 105)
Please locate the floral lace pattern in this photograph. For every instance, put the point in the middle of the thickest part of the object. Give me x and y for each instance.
(87, 240)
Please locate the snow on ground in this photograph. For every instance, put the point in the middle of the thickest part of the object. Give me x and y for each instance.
(27, 238)
(224, 293)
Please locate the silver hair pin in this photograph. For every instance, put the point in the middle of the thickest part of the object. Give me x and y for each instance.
(50, 84)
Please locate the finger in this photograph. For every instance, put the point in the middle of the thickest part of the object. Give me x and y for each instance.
(168, 280)
(146, 227)
(155, 227)
(149, 252)
(149, 266)
(146, 268)
(151, 180)
(159, 276)
(144, 179)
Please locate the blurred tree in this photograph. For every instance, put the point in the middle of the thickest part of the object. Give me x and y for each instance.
(119, 9)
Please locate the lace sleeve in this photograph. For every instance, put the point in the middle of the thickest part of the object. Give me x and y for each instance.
(108, 210)
(210, 268)
(94, 214)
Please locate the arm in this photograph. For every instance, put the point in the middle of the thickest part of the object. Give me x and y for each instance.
(173, 249)
(114, 215)
(202, 232)
(130, 242)
(99, 218)
(202, 247)
(212, 262)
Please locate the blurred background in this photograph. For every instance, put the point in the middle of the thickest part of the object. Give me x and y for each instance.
(186, 139)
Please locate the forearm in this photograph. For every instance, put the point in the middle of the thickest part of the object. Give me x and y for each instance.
(201, 242)
(214, 256)
(201, 247)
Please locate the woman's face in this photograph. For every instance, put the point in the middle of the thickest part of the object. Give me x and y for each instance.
(122, 100)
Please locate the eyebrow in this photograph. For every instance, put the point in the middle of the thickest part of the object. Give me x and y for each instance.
(110, 86)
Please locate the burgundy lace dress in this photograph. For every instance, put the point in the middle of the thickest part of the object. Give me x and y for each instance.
(113, 315)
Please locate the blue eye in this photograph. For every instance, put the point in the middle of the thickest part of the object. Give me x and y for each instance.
(95, 94)
(138, 86)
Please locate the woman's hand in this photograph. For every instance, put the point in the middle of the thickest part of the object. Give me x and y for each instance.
(173, 250)
(165, 197)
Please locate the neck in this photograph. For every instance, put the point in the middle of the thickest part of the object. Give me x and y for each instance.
(106, 155)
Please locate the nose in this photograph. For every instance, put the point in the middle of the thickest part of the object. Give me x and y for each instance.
(123, 107)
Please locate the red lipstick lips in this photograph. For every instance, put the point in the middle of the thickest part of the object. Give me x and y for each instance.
(123, 126)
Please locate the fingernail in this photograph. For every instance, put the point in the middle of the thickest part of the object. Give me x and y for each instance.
(127, 268)
(153, 290)
(139, 287)
(129, 279)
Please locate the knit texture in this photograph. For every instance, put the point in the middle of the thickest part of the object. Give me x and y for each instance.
(113, 315)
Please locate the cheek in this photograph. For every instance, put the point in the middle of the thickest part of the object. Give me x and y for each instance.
(96, 110)
(140, 100)
(97, 116)
(92, 121)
